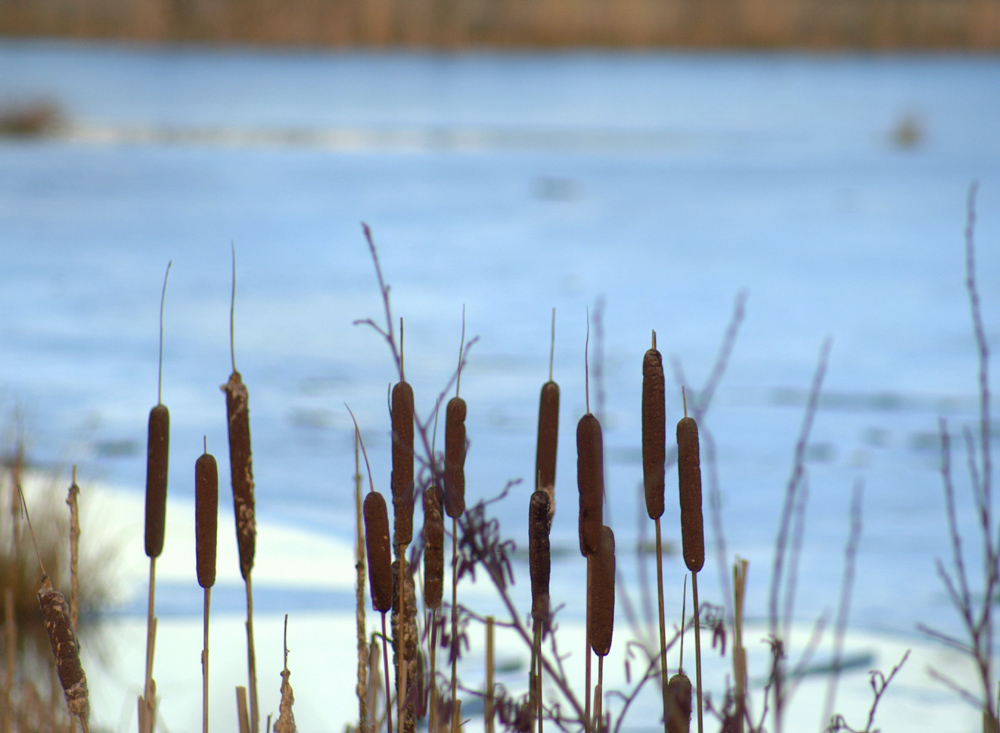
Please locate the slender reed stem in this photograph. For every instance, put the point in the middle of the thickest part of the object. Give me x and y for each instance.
(697, 645)
(587, 709)
(663, 627)
(147, 705)
(454, 622)
(599, 695)
(489, 675)
(385, 660)
(204, 664)
(252, 661)
(432, 722)
(401, 666)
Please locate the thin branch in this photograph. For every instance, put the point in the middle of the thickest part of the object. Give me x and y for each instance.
(847, 583)
(791, 490)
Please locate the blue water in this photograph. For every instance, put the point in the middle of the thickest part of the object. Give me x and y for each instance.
(661, 185)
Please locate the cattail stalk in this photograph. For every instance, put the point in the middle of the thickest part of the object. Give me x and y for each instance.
(540, 566)
(241, 473)
(157, 469)
(454, 502)
(402, 413)
(206, 522)
(376, 516)
(379, 570)
(692, 526)
(590, 483)
(654, 436)
(62, 639)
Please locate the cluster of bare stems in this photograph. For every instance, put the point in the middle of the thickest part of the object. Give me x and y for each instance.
(479, 546)
(973, 604)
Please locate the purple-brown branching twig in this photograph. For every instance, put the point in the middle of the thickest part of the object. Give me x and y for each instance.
(976, 616)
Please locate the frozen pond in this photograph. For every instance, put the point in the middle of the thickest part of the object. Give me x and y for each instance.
(832, 189)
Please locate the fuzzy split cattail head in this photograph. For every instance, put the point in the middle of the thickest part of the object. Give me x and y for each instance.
(65, 649)
(241, 469)
(689, 478)
(157, 459)
(206, 517)
(539, 561)
(433, 548)
(548, 438)
(678, 715)
(402, 462)
(590, 481)
(602, 595)
(654, 432)
(379, 553)
(454, 458)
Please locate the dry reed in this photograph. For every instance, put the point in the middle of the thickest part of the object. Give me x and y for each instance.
(286, 718)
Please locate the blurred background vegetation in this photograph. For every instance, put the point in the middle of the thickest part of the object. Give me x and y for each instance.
(811, 24)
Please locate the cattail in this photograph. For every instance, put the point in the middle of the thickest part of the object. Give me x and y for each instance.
(548, 438)
(241, 468)
(689, 476)
(602, 595)
(654, 432)
(206, 518)
(66, 649)
(157, 454)
(402, 462)
(379, 556)
(454, 458)
(679, 704)
(539, 562)
(433, 549)
(590, 481)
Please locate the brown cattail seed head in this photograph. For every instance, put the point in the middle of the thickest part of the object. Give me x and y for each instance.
(548, 437)
(678, 715)
(654, 432)
(206, 517)
(539, 562)
(402, 462)
(65, 649)
(241, 469)
(379, 554)
(454, 458)
(602, 594)
(157, 455)
(689, 477)
(433, 548)
(590, 481)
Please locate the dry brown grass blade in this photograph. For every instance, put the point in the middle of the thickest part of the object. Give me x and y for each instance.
(241, 710)
(286, 718)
